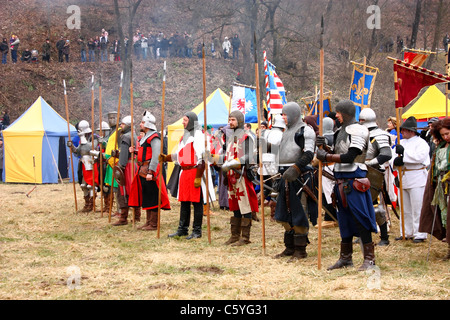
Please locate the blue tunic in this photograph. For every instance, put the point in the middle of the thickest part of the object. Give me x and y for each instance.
(358, 203)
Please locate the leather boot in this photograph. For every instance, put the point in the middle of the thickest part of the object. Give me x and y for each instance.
(123, 220)
(288, 243)
(235, 226)
(300, 243)
(106, 203)
(137, 214)
(198, 221)
(369, 256)
(384, 236)
(152, 221)
(90, 204)
(246, 225)
(86, 205)
(183, 226)
(345, 258)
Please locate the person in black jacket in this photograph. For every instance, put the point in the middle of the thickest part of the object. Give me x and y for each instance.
(4, 48)
(236, 43)
(60, 47)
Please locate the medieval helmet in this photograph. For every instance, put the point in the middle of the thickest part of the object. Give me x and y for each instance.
(112, 118)
(293, 113)
(239, 117)
(83, 127)
(104, 126)
(328, 125)
(368, 118)
(279, 122)
(126, 121)
(192, 120)
(347, 109)
(149, 120)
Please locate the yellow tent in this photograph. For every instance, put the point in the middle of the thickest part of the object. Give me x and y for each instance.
(430, 104)
(217, 111)
(35, 146)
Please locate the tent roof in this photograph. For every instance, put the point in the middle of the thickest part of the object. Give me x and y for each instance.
(430, 104)
(217, 110)
(37, 119)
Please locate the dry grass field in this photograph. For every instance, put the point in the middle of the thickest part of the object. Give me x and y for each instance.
(44, 243)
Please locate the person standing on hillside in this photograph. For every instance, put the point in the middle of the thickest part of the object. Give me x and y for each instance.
(103, 48)
(413, 157)
(66, 50)
(60, 47)
(82, 44)
(236, 43)
(46, 50)
(91, 50)
(4, 49)
(14, 46)
(190, 156)
(226, 46)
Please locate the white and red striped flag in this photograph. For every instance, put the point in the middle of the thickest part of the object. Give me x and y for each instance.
(276, 94)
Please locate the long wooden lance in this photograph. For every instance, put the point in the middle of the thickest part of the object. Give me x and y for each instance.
(100, 144)
(319, 201)
(205, 124)
(399, 169)
(116, 133)
(70, 140)
(132, 136)
(261, 178)
(163, 104)
(93, 140)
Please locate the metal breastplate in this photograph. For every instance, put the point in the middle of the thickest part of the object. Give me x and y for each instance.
(289, 150)
(355, 136)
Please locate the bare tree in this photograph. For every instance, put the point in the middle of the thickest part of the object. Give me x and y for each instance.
(416, 23)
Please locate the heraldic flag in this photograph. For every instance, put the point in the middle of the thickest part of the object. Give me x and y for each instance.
(415, 58)
(244, 100)
(276, 94)
(360, 96)
(410, 79)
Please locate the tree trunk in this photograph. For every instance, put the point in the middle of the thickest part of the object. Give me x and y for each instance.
(416, 24)
(437, 34)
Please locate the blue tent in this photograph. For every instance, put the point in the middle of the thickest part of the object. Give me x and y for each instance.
(35, 146)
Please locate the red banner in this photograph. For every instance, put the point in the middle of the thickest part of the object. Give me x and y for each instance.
(415, 58)
(411, 79)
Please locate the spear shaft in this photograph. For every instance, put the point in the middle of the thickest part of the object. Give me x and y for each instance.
(161, 150)
(100, 145)
(261, 177)
(208, 220)
(93, 140)
(115, 147)
(70, 140)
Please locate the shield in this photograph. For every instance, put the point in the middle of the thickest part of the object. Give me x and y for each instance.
(376, 178)
(119, 175)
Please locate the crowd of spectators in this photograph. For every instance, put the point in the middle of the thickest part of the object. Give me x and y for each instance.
(142, 46)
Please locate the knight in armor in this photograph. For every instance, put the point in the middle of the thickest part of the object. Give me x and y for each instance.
(123, 173)
(83, 151)
(236, 165)
(295, 154)
(271, 157)
(330, 217)
(109, 139)
(356, 214)
(190, 156)
(379, 153)
(146, 182)
(102, 132)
